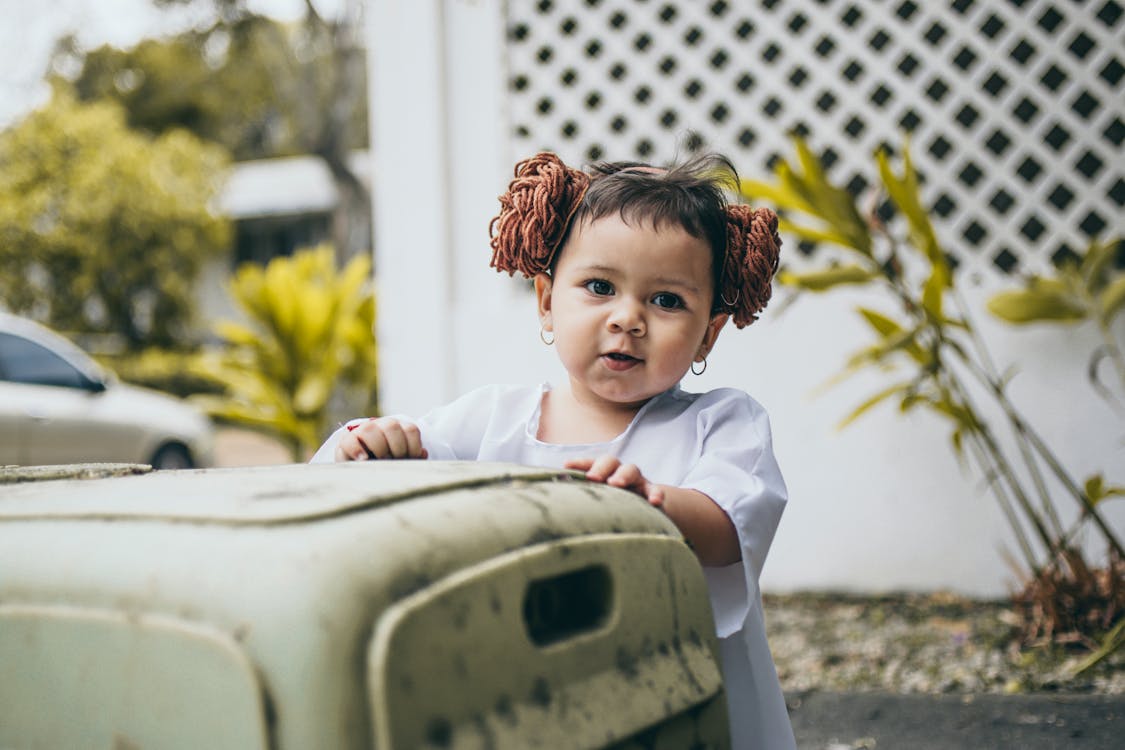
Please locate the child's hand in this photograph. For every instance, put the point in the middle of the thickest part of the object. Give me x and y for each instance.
(382, 437)
(610, 470)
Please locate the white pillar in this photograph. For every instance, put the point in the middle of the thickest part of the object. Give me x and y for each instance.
(438, 131)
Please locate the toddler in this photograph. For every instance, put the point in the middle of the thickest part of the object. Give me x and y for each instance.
(636, 271)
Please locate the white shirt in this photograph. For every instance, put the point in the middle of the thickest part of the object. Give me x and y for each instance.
(717, 443)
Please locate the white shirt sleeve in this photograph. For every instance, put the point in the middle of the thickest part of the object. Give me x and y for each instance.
(737, 470)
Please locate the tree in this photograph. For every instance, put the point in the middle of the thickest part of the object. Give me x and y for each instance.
(104, 229)
(172, 83)
(259, 87)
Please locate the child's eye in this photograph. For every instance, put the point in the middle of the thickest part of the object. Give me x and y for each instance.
(668, 301)
(599, 287)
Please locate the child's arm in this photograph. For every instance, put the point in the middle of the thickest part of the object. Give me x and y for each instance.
(382, 437)
(706, 526)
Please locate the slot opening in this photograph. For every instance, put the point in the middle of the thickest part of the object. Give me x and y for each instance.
(561, 607)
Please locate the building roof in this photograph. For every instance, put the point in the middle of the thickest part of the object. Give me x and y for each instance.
(285, 186)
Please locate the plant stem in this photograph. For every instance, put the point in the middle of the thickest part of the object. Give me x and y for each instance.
(1113, 351)
(1027, 432)
(994, 383)
(989, 452)
(992, 477)
(1003, 466)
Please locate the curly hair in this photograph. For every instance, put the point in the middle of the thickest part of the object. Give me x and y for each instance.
(546, 199)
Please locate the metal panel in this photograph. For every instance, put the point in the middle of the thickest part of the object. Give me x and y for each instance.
(95, 678)
(537, 645)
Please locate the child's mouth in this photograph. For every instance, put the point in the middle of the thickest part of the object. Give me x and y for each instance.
(619, 361)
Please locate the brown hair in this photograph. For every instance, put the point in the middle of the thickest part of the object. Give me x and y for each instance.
(546, 198)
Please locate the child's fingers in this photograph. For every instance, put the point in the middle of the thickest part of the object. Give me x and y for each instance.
(351, 448)
(374, 440)
(414, 448)
(627, 476)
(395, 438)
(383, 437)
(603, 468)
(404, 440)
(610, 470)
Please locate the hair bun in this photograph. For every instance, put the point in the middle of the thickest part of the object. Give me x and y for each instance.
(753, 247)
(534, 214)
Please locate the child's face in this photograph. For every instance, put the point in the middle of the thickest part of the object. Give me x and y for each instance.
(630, 307)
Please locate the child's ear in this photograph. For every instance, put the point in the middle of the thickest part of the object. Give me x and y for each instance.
(715, 325)
(543, 299)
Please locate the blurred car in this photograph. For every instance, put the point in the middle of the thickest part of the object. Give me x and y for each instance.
(58, 406)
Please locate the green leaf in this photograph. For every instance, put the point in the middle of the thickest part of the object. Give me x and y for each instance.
(1097, 490)
(934, 291)
(1112, 643)
(781, 196)
(873, 401)
(1112, 299)
(880, 322)
(964, 418)
(809, 191)
(235, 333)
(813, 234)
(957, 439)
(1096, 262)
(905, 194)
(827, 278)
(1043, 302)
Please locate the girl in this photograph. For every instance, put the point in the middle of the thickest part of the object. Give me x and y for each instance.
(636, 271)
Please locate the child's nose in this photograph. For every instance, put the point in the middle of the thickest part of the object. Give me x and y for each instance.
(627, 316)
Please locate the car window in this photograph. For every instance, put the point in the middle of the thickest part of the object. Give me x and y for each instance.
(24, 361)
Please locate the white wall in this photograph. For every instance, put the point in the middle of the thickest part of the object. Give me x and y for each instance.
(882, 505)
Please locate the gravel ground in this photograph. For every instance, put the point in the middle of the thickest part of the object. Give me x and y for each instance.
(912, 643)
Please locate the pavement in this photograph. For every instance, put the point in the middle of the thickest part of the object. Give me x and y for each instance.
(850, 721)
(240, 447)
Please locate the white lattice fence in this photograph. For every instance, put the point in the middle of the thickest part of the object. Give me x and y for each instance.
(1013, 109)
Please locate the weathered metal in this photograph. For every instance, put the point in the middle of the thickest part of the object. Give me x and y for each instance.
(384, 604)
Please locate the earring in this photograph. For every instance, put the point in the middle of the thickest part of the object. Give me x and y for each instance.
(543, 337)
(728, 303)
(701, 369)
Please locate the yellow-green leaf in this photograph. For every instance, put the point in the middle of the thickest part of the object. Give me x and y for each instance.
(1044, 302)
(1097, 260)
(934, 290)
(780, 196)
(964, 418)
(880, 322)
(871, 402)
(814, 234)
(235, 333)
(905, 194)
(826, 278)
(1112, 298)
(957, 439)
(1097, 490)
